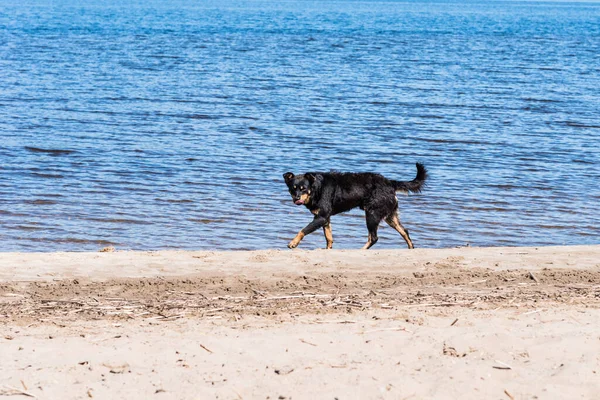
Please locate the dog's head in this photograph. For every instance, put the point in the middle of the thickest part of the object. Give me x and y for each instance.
(300, 187)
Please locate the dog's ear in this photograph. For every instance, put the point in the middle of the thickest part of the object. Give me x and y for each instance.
(288, 176)
(311, 178)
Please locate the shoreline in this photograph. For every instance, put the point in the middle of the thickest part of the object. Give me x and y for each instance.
(138, 264)
(467, 323)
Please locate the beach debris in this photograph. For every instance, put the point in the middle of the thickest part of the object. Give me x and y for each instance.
(532, 276)
(454, 322)
(445, 304)
(534, 311)
(304, 341)
(399, 328)
(108, 249)
(237, 394)
(283, 371)
(452, 352)
(343, 321)
(117, 369)
(12, 391)
(502, 365)
(480, 281)
(558, 369)
(206, 348)
(510, 396)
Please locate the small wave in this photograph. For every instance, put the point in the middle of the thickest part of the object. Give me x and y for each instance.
(541, 100)
(552, 227)
(174, 200)
(455, 141)
(27, 228)
(504, 186)
(119, 221)
(431, 116)
(100, 242)
(53, 152)
(201, 116)
(581, 125)
(205, 220)
(40, 202)
(12, 214)
(49, 176)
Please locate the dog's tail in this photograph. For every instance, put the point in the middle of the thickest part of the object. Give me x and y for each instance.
(414, 186)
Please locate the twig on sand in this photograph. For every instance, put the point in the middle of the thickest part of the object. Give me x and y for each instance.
(533, 312)
(304, 341)
(481, 281)
(389, 329)
(300, 296)
(345, 321)
(12, 391)
(439, 304)
(502, 365)
(454, 322)
(214, 310)
(286, 371)
(532, 276)
(206, 348)
(163, 318)
(510, 396)
(79, 303)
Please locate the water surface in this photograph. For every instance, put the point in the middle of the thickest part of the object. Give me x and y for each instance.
(159, 125)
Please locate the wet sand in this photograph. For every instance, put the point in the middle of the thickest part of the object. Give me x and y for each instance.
(468, 323)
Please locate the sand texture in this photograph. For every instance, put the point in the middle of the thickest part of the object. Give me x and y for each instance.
(468, 323)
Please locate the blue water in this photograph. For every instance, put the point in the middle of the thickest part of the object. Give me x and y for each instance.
(169, 124)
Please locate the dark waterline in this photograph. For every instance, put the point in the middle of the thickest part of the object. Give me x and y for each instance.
(161, 125)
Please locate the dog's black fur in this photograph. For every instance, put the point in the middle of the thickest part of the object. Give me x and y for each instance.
(327, 194)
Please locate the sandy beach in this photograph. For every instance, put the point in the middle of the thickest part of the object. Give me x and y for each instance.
(469, 323)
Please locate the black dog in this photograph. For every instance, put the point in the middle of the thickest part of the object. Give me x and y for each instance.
(327, 194)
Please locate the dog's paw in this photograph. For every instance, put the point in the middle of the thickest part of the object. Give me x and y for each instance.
(293, 244)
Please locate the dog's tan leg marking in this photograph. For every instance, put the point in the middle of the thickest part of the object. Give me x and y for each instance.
(394, 222)
(369, 243)
(295, 241)
(328, 235)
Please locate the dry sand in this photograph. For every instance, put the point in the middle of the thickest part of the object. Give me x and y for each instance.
(468, 323)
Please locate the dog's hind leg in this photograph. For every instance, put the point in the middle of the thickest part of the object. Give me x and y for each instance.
(372, 225)
(328, 235)
(394, 222)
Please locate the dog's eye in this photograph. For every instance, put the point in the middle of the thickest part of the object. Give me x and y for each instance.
(301, 187)
(295, 187)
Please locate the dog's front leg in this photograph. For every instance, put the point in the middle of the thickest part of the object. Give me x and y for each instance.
(328, 235)
(317, 222)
